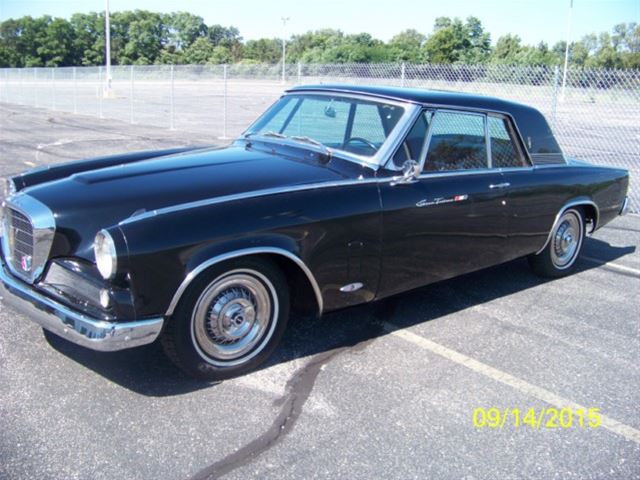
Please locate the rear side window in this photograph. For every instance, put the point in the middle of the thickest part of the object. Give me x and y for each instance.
(505, 152)
(457, 142)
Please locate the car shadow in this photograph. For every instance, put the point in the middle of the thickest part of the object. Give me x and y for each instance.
(146, 370)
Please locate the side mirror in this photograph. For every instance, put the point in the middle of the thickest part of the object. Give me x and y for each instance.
(410, 173)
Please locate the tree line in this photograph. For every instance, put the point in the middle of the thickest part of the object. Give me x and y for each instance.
(144, 38)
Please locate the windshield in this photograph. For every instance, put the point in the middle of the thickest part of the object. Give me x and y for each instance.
(352, 125)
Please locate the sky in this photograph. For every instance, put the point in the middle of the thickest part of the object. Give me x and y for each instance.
(532, 20)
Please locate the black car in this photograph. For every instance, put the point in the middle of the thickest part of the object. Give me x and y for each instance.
(336, 196)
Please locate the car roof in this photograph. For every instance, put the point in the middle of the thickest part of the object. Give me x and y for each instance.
(535, 130)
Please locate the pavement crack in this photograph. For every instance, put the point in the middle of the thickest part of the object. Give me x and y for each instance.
(298, 391)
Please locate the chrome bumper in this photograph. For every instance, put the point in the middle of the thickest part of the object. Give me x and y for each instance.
(625, 207)
(73, 325)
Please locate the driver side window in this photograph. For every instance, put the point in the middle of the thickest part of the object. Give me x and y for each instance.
(411, 148)
(457, 142)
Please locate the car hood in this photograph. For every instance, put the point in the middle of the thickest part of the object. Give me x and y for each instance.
(86, 202)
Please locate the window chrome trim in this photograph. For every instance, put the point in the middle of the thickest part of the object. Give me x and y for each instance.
(411, 110)
(243, 253)
(487, 140)
(521, 147)
(572, 203)
(456, 173)
(423, 105)
(482, 111)
(434, 117)
(389, 164)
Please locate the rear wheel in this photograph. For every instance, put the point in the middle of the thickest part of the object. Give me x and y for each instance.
(559, 256)
(229, 320)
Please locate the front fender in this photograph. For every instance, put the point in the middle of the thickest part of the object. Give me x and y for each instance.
(318, 228)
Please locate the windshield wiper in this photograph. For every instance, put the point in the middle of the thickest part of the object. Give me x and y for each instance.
(271, 133)
(305, 139)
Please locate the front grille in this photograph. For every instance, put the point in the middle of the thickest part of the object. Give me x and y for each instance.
(28, 230)
(21, 242)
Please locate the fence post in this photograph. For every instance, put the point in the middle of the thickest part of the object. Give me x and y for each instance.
(35, 87)
(131, 94)
(299, 73)
(554, 100)
(53, 88)
(21, 86)
(402, 74)
(224, 107)
(99, 91)
(75, 91)
(171, 106)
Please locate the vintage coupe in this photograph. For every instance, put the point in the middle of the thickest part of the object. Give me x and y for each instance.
(336, 196)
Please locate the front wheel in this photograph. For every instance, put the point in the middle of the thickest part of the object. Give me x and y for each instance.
(230, 319)
(559, 256)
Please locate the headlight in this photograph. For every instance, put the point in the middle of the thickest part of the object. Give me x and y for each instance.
(9, 187)
(105, 251)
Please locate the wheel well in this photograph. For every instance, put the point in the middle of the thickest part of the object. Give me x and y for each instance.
(303, 291)
(590, 215)
(303, 297)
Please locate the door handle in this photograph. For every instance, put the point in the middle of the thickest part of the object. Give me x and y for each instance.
(495, 186)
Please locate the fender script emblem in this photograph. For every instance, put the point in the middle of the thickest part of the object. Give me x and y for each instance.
(439, 200)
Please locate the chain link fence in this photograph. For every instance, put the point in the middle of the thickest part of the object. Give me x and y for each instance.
(595, 116)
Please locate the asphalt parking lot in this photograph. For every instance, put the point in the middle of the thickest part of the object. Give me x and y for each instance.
(386, 390)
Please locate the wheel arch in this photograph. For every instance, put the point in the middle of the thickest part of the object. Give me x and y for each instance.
(296, 272)
(589, 209)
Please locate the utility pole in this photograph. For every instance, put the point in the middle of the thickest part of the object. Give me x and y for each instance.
(284, 47)
(107, 43)
(566, 52)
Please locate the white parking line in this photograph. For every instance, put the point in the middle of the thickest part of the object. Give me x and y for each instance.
(523, 386)
(613, 266)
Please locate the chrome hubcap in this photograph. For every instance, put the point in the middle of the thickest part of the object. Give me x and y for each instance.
(233, 318)
(566, 240)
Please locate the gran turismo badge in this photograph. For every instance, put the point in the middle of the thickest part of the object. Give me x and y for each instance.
(25, 262)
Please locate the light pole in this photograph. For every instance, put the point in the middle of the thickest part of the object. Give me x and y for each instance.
(107, 42)
(566, 52)
(284, 47)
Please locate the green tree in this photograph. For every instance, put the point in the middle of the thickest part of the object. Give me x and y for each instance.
(406, 46)
(507, 50)
(183, 29)
(228, 37)
(203, 51)
(264, 50)
(144, 38)
(88, 43)
(455, 42)
(58, 47)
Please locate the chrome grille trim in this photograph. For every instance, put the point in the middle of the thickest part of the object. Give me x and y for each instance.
(28, 231)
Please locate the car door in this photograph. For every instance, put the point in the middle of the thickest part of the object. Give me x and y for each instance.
(452, 219)
(531, 202)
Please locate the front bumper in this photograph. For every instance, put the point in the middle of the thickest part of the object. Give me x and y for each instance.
(72, 325)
